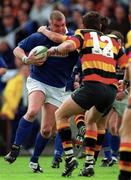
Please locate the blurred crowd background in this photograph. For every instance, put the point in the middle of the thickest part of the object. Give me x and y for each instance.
(19, 19)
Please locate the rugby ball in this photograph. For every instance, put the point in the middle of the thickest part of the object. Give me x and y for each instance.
(40, 52)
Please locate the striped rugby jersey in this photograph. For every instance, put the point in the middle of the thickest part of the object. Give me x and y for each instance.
(99, 55)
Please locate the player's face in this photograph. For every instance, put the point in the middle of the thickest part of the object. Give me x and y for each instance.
(58, 26)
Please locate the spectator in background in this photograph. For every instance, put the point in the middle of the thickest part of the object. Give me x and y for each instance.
(3, 66)
(27, 26)
(41, 11)
(75, 21)
(15, 5)
(9, 23)
(89, 5)
(8, 26)
(7, 54)
(121, 22)
(26, 6)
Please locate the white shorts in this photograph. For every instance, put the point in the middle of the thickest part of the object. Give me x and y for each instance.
(53, 95)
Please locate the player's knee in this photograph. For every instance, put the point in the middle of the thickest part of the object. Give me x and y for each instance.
(58, 115)
(32, 113)
(112, 130)
(121, 130)
(46, 133)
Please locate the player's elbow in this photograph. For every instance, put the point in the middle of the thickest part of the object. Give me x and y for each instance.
(16, 51)
(70, 47)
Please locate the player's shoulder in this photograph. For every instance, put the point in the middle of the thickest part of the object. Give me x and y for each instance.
(83, 31)
(69, 32)
(37, 35)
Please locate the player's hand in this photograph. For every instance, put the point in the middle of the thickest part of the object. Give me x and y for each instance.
(76, 85)
(120, 95)
(42, 29)
(34, 61)
(52, 51)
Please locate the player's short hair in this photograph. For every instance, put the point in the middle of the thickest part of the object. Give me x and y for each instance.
(57, 15)
(92, 20)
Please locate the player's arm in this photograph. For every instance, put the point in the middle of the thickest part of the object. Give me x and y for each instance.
(56, 37)
(65, 47)
(20, 53)
(70, 44)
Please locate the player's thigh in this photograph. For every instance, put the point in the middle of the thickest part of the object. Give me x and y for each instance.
(101, 123)
(48, 116)
(35, 100)
(112, 121)
(125, 129)
(68, 109)
(93, 115)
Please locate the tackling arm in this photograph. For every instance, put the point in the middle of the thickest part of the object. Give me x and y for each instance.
(56, 37)
(65, 47)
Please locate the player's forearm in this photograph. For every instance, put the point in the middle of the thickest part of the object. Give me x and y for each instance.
(66, 46)
(56, 37)
(19, 53)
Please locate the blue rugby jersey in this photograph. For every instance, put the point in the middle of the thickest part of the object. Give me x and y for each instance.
(57, 69)
(2, 63)
(77, 69)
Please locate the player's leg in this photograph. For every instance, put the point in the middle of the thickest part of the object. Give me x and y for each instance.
(79, 120)
(65, 111)
(102, 104)
(101, 124)
(35, 101)
(58, 151)
(92, 116)
(48, 121)
(107, 160)
(125, 146)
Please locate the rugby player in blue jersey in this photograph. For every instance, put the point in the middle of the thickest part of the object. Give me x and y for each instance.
(46, 87)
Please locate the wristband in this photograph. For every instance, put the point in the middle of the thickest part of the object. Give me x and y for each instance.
(126, 91)
(24, 59)
(126, 82)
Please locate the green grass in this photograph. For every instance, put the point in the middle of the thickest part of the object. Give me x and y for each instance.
(20, 171)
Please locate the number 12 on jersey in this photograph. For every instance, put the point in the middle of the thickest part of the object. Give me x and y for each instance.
(107, 50)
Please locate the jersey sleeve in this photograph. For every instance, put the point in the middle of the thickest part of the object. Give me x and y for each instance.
(77, 39)
(31, 41)
(122, 59)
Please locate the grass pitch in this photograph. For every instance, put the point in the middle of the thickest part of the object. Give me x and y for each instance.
(21, 171)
